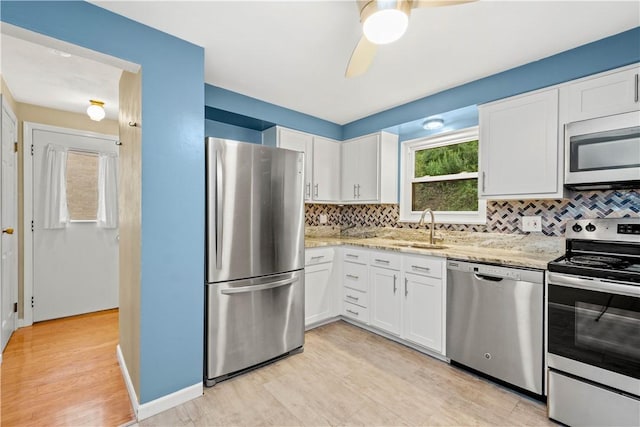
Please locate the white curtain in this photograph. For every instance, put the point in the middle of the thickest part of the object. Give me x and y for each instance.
(56, 214)
(107, 190)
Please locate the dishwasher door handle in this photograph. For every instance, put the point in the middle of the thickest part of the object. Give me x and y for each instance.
(487, 278)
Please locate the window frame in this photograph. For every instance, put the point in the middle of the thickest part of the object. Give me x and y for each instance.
(407, 171)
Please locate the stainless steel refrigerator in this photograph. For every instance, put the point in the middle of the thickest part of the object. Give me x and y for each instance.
(255, 256)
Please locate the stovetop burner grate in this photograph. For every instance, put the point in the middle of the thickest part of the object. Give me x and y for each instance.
(596, 261)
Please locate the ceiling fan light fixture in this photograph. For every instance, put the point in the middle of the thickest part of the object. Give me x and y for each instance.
(95, 111)
(385, 26)
(433, 124)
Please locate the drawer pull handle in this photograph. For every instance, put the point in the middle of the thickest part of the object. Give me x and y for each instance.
(384, 261)
(417, 267)
(352, 256)
(317, 257)
(637, 88)
(351, 276)
(352, 297)
(355, 313)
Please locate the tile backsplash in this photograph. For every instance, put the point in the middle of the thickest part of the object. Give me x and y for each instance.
(503, 216)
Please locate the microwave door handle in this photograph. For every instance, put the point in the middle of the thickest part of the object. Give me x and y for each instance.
(219, 208)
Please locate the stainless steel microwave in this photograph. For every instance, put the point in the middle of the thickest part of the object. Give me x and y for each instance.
(603, 153)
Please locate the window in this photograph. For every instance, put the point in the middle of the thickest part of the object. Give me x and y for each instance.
(441, 173)
(82, 185)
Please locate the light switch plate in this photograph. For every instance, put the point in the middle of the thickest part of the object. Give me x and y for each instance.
(323, 219)
(531, 223)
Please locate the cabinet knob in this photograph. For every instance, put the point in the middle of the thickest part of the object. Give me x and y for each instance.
(8, 230)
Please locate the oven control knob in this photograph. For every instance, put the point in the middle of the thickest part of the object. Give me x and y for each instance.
(577, 228)
(590, 227)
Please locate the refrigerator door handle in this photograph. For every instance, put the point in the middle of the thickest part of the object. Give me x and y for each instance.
(219, 204)
(262, 287)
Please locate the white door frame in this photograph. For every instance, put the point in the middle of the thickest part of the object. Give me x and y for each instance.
(5, 106)
(29, 127)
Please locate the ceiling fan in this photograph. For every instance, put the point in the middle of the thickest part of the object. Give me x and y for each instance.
(383, 22)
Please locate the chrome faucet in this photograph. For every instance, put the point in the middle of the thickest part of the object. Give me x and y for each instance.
(421, 223)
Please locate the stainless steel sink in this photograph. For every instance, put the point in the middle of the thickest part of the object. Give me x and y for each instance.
(423, 246)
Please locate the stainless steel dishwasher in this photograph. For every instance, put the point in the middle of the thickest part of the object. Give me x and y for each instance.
(495, 322)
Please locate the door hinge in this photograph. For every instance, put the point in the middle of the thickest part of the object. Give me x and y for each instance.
(32, 302)
(15, 147)
(15, 307)
(31, 225)
(32, 149)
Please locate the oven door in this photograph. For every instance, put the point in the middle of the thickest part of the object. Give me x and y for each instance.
(594, 330)
(603, 150)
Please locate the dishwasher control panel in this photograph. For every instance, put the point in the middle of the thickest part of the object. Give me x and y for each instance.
(496, 271)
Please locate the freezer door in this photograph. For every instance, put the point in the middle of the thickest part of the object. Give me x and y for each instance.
(255, 210)
(252, 321)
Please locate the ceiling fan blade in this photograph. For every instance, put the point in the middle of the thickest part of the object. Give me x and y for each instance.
(361, 58)
(435, 3)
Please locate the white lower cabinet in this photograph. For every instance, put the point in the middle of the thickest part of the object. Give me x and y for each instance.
(385, 299)
(423, 321)
(402, 295)
(319, 288)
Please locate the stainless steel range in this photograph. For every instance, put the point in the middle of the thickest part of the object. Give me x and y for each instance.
(594, 325)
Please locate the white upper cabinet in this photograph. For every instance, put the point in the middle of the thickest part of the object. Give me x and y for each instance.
(520, 150)
(326, 177)
(604, 95)
(321, 157)
(370, 169)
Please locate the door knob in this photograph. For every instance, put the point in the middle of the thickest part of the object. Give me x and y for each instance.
(8, 230)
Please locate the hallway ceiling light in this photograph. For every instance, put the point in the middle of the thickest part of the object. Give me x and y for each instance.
(95, 111)
(432, 124)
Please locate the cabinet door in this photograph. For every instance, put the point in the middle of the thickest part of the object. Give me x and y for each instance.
(384, 304)
(326, 179)
(422, 311)
(302, 142)
(318, 295)
(349, 170)
(519, 148)
(603, 96)
(368, 161)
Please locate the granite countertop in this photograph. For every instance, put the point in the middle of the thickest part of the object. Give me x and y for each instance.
(519, 250)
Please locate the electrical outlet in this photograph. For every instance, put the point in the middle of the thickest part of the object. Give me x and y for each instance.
(531, 223)
(323, 219)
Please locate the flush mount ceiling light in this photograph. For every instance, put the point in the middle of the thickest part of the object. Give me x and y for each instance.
(60, 53)
(433, 124)
(95, 111)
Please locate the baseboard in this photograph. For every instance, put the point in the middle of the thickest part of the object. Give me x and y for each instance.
(161, 404)
(127, 380)
(321, 323)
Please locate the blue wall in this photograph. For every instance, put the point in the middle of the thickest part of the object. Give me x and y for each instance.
(171, 317)
(227, 100)
(602, 55)
(227, 131)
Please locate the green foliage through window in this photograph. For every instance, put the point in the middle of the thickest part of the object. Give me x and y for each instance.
(457, 195)
(446, 195)
(447, 160)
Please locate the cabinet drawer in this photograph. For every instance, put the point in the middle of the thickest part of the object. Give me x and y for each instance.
(355, 297)
(355, 276)
(355, 312)
(425, 266)
(356, 255)
(318, 256)
(385, 260)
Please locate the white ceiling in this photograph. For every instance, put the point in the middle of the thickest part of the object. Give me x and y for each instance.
(294, 53)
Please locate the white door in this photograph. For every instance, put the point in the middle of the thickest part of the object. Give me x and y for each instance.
(318, 295)
(303, 142)
(368, 167)
(75, 268)
(326, 182)
(8, 221)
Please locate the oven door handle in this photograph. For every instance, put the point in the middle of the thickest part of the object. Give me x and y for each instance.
(597, 285)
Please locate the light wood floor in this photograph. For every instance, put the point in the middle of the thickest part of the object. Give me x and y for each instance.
(65, 373)
(348, 376)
